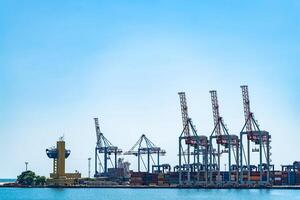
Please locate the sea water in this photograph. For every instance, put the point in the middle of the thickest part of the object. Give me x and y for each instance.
(7, 180)
(146, 194)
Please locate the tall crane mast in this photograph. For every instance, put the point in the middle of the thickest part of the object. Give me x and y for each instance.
(223, 138)
(184, 113)
(215, 108)
(198, 144)
(246, 103)
(104, 147)
(258, 137)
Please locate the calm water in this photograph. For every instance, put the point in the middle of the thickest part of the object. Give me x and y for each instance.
(146, 194)
(7, 180)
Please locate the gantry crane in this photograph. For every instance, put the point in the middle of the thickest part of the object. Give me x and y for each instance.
(258, 137)
(198, 143)
(223, 139)
(145, 147)
(105, 147)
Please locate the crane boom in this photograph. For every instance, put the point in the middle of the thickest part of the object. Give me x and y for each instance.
(98, 133)
(184, 113)
(246, 103)
(215, 108)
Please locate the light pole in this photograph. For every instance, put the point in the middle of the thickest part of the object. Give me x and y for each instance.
(89, 165)
(26, 166)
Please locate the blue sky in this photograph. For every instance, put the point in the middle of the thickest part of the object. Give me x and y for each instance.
(63, 63)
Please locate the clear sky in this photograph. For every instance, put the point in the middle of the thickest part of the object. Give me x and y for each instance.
(64, 62)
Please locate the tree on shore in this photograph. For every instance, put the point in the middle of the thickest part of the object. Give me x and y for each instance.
(29, 178)
(40, 180)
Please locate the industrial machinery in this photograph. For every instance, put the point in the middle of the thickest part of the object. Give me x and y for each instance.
(145, 147)
(59, 177)
(256, 137)
(104, 147)
(163, 168)
(197, 146)
(229, 144)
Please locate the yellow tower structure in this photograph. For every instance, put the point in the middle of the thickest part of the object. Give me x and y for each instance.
(61, 158)
(59, 177)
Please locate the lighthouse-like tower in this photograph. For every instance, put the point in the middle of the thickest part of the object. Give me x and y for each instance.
(59, 154)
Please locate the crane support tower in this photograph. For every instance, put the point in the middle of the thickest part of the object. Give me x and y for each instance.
(198, 144)
(145, 147)
(256, 137)
(226, 143)
(105, 147)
